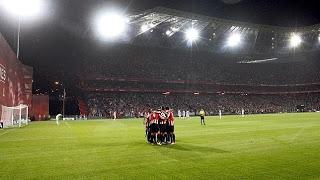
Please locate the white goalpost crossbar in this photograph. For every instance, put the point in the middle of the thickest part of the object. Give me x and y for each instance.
(16, 116)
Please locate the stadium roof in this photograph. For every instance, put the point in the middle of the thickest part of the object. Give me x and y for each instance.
(257, 38)
(160, 12)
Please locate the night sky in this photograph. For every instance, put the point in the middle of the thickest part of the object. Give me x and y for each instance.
(51, 42)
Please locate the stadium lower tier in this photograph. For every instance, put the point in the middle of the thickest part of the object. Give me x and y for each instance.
(134, 104)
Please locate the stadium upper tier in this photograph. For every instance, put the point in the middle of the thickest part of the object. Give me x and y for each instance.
(172, 28)
(155, 63)
(158, 86)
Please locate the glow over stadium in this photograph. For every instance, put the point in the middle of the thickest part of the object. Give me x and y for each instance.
(170, 28)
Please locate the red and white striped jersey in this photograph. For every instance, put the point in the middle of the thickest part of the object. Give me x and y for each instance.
(171, 118)
(163, 117)
(154, 117)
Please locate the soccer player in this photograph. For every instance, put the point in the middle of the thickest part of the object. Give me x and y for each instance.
(162, 124)
(170, 127)
(179, 113)
(183, 114)
(114, 115)
(154, 128)
(202, 114)
(147, 124)
(187, 114)
(242, 112)
(58, 117)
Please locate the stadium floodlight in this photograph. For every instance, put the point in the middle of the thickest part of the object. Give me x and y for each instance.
(152, 25)
(192, 34)
(234, 40)
(295, 40)
(168, 32)
(171, 31)
(111, 25)
(174, 29)
(144, 28)
(23, 8)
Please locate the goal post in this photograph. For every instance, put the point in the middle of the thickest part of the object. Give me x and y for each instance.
(16, 116)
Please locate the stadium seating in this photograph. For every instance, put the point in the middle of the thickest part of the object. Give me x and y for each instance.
(172, 64)
(132, 104)
(130, 79)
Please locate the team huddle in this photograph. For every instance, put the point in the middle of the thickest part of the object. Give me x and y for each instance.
(160, 126)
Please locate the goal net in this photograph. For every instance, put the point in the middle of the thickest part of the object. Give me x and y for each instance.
(14, 116)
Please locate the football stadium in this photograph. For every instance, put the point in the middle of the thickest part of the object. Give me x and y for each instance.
(221, 89)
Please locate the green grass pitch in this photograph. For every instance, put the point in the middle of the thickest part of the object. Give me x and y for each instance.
(277, 146)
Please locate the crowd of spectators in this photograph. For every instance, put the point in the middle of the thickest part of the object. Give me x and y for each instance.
(130, 79)
(158, 86)
(135, 104)
(172, 64)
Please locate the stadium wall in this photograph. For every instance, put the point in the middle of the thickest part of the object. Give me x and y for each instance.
(15, 78)
(40, 107)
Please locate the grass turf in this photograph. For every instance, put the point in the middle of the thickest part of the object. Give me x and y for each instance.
(278, 146)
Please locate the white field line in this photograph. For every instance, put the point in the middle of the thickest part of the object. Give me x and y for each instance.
(6, 132)
(35, 139)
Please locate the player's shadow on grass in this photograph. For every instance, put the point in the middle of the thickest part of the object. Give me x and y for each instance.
(189, 147)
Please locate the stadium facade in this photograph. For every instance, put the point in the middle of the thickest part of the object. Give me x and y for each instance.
(16, 78)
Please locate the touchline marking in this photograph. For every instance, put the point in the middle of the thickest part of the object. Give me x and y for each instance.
(6, 132)
(36, 139)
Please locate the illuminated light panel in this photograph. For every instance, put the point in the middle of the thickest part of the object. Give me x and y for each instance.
(295, 40)
(234, 40)
(111, 25)
(192, 35)
(24, 8)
